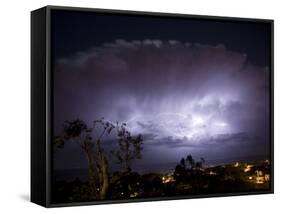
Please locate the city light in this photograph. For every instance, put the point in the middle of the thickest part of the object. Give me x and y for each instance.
(248, 168)
(236, 164)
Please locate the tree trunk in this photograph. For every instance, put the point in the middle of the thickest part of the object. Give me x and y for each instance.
(103, 172)
(105, 178)
(92, 175)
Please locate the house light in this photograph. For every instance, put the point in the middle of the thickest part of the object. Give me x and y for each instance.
(248, 168)
(212, 173)
(133, 195)
(167, 179)
(259, 173)
(266, 177)
(259, 180)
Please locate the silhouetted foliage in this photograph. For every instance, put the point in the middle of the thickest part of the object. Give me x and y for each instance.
(77, 131)
(74, 128)
(190, 161)
(182, 163)
(130, 147)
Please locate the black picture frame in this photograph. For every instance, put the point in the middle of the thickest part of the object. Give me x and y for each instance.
(42, 98)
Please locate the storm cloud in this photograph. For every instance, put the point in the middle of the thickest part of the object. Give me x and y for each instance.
(183, 97)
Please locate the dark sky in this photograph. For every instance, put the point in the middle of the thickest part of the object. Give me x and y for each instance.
(188, 85)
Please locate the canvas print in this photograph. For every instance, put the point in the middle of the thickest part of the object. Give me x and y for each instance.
(151, 107)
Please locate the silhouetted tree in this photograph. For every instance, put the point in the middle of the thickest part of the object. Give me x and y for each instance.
(128, 150)
(202, 161)
(102, 161)
(182, 163)
(77, 131)
(180, 170)
(198, 165)
(190, 161)
(130, 147)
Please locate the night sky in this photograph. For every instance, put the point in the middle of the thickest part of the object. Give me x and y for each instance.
(189, 86)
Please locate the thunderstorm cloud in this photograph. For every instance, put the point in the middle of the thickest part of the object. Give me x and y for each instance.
(183, 97)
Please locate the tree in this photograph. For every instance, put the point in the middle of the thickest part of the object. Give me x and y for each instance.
(195, 164)
(182, 163)
(190, 161)
(128, 150)
(202, 160)
(130, 147)
(102, 161)
(180, 170)
(77, 131)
